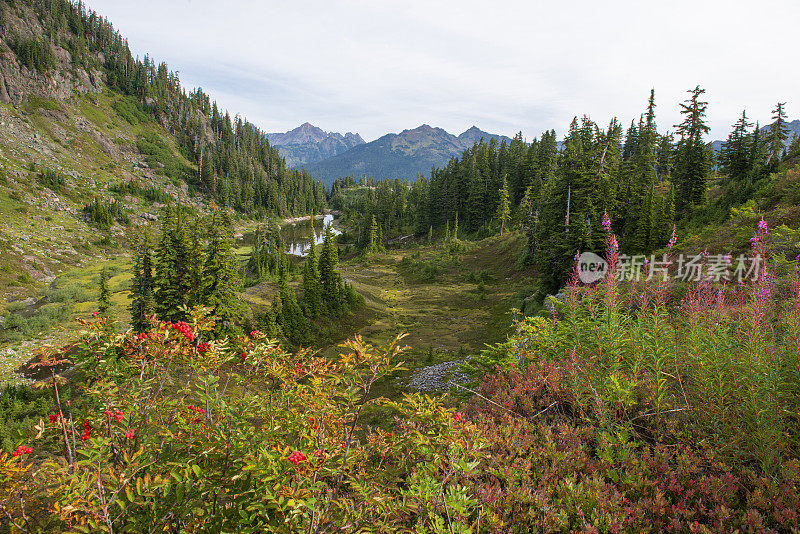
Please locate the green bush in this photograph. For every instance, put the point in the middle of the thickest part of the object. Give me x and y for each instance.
(130, 109)
(51, 179)
(150, 193)
(20, 408)
(160, 157)
(103, 213)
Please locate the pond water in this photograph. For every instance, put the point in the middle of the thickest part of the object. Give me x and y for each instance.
(297, 237)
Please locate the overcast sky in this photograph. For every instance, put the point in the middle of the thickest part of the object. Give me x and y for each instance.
(379, 66)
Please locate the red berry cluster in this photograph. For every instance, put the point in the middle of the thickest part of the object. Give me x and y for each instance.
(129, 433)
(87, 430)
(118, 415)
(53, 417)
(458, 418)
(202, 348)
(296, 457)
(313, 423)
(193, 408)
(200, 411)
(183, 328)
(22, 449)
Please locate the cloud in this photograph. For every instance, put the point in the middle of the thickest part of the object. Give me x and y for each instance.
(378, 66)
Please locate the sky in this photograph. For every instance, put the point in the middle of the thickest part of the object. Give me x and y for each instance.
(381, 66)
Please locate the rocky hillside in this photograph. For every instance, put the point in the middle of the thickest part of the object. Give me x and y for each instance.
(402, 155)
(84, 170)
(309, 144)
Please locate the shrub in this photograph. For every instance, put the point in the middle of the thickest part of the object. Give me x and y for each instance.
(104, 213)
(51, 179)
(150, 193)
(191, 433)
(130, 109)
(160, 157)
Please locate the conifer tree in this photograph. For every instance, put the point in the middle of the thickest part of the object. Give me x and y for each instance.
(172, 282)
(311, 290)
(293, 323)
(692, 161)
(504, 207)
(163, 287)
(104, 298)
(734, 156)
(447, 233)
(372, 237)
(778, 133)
(142, 286)
(196, 260)
(328, 275)
(221, 280)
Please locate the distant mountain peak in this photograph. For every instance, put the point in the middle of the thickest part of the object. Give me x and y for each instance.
(400, 155)
(474, 134)
(308, 143)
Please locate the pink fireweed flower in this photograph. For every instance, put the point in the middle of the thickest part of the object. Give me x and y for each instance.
(673, 238)
(606, 222)
(762, 226)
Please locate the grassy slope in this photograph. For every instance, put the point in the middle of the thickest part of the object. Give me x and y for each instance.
(49, 253)
(446, 316)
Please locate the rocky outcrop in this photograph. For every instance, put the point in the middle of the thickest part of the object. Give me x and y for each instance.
(18, 83)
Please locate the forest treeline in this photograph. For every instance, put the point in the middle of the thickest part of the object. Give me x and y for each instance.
(557, 193)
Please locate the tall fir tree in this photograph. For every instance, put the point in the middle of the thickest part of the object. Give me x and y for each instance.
(372, 237)
(778, 133)
(311, 289)
(503, 206)
(692, 163)
(221, 280)
(142, 303)
(328, 274)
